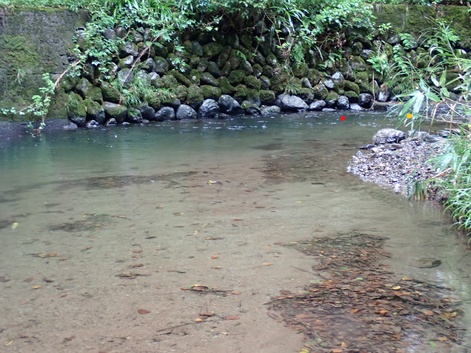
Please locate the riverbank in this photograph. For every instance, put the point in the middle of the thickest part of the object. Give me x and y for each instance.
(11, 131)
(399, 165)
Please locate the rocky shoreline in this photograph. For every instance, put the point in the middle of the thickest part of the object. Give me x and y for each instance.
(399, 161)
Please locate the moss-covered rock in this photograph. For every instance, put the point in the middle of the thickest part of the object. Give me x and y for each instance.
(267, 97)
(331, 99)
(351, 86)
(209, 79)
(236, 77)
(154, 102)
(95, 111)
(194, 77)
(115, 111)
(181, 78)
(211, 50)
(76, 109)
(195, 95)
(211, 92)
(226, 87)
(161, 65)
(110, 94)
(241, 93)
(320, 91)
(252, 82)
(352, 96)
(300, 70)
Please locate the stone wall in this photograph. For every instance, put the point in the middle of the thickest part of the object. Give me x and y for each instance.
(33, 43)
(229, 73)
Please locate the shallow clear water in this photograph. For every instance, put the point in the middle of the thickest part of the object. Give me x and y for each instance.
(76, 207)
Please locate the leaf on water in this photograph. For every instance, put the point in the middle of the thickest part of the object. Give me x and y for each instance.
(36, 286)
(267, 264)
(214, 257)
(14, 225)
(143, 311)
(198, 319)
(216, 267)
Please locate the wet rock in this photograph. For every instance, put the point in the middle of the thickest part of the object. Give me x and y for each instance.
(291, 103)
(209, 109)
(229, 105)
(317, 105)
(388, 136)
(356, 107)
(186, 112)
(365, 100)
(148, 113)
(343, 103)
(383, 94)
(270, 110)
(165, 113)
(92, 124)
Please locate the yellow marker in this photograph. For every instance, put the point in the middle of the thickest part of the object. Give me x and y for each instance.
(409, 116)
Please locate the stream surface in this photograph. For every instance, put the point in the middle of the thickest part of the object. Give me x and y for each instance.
(104, 233)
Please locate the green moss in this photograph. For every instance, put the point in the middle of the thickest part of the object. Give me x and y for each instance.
(226, 86)
(21, 70)
(267, 97)
(211, 92)
(252, 82)
(195, 95)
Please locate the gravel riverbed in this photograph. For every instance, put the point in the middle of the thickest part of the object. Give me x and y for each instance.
(399, 164)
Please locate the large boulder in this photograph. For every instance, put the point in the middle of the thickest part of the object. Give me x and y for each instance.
(229, 105)
(290, 103)
(115, 111)
(186, 112)
(209, 109)
(165, 113)
(365, 100)
(388, 135)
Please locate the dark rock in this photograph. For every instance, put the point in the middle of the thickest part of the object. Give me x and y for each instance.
(365, 100)
(209, 109)
(388, 135)
(128, 48)
(110, 34)
(147, 112)
(290, 103)
(211, 92)
(126, 61)
(317, 105)
(165, 113)
(111, 122)
(76, 109)
(320, 91)
(82, 87)
(343, 103)
(92, 124)
(208, 78)
(267, 97)
(213, 69)
(252, 82)
(229, 105)
(212, 50)
(161, 65)
(236, 77)
(186, 112)
(148, 65)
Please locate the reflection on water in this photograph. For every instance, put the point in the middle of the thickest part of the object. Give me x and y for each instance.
(90, 196)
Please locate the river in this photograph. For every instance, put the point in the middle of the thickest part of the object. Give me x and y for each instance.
(105, 232)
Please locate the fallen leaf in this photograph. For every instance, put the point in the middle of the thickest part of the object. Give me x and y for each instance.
(267, 264)
(442, 339)
(235, 292)
(337, 350)
(14, 225)
(143, 311)
(214, 257)
(44, 255)
(36, 286)
(383, 312)
(232, 317)
(396, 288)
(427, 312)
(199, 319)
(216, 267)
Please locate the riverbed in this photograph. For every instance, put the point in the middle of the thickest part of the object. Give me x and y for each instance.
(166, 238)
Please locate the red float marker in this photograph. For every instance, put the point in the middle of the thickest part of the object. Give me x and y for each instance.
(342, 118)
